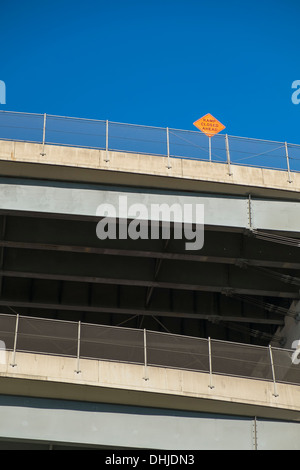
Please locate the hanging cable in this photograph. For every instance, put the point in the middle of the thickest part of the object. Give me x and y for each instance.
(275, 238)
(280, 276)
(266, 306)
(252, 332)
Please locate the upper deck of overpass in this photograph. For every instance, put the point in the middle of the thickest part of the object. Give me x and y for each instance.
(75, 164)
(73, 148)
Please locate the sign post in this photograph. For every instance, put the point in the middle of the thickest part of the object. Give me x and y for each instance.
(210, 126)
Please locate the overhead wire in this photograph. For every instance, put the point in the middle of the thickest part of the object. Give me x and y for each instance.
(275, 238)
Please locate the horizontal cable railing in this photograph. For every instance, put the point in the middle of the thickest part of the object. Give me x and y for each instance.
(80, 340)
(48, 129)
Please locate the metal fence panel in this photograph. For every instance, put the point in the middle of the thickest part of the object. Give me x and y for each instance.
(261, 153)
(240, 360)
(75, 132)
(109, 343)
(192, 145)
(7, 330)
(46, 336)
(285, 370)
(21, 126)
(82, 340)
(181, 352)
(294, 157)
(137, 139)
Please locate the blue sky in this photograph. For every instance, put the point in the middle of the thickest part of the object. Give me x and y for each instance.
(161, 63)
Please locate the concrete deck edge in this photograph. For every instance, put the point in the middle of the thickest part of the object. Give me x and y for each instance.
(88, 165)
(46, 376)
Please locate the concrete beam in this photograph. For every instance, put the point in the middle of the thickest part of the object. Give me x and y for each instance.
(89, 165)
(54, 377)
(212, 317)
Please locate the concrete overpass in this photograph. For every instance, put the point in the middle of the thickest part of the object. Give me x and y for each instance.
(242, 276)
(242, 286)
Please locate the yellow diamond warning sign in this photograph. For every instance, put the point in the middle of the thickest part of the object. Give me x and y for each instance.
(209, 125)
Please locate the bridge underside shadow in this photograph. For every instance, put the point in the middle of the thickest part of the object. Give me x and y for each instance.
(238, 287)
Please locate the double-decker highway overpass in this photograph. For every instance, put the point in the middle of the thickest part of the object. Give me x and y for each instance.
(242, 286)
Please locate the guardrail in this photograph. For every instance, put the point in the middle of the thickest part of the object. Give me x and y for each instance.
(80, 340)
(112, 136)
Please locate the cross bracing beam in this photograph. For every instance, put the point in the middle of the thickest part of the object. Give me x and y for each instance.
(287, 263)
(141, 312)
(207, 285)
(173, 274)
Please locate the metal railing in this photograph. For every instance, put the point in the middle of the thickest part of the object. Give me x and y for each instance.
(80, 340)
(171, 143)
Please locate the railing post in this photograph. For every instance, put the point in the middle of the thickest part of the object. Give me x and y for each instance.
(228, 155)
(275, 394)
(250, 212)
(288, 162)
(210, 364)
(168, 149)
(255, 433)
(78, 347)
(106, 143)
(44, 134)
(13, 364)
(145, 356)
(209, 148)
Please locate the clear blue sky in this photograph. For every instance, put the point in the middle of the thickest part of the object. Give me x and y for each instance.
(161, 62)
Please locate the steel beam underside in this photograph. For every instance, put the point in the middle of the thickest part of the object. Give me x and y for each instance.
(82, 200)
(79, 423)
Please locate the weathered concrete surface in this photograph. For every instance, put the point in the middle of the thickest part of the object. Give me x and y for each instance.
(46, 376)
(79, 164)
